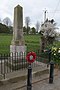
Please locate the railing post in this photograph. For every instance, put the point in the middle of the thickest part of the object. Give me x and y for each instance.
(1, 64)
(4, 68)
(31, 56)
(49, 52)
(51, 76)
(29, 78)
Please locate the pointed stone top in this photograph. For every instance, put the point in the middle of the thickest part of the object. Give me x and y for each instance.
(18, 6)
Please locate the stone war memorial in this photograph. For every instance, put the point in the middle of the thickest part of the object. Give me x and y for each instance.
(17, 43)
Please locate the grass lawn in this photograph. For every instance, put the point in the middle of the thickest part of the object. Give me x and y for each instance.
(32, 42)
(5, 41)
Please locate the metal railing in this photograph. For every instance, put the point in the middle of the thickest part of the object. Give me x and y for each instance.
(15, 61)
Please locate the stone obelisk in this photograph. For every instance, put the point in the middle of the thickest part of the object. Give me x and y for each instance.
(17, 44)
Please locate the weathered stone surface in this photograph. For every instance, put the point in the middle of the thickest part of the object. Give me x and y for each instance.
(17, 51)
(18, 38)
(17, 45)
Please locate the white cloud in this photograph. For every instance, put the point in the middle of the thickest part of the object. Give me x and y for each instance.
(32, 8)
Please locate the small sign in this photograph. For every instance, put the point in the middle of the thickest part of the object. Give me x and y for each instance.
(31, 56)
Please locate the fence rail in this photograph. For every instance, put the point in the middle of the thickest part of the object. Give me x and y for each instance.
(14, 61)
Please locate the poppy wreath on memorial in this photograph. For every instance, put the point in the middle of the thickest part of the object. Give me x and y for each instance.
(28, 57)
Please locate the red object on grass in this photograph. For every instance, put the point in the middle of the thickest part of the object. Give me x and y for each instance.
(31, 56)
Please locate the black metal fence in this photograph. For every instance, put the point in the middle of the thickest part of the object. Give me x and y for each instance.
(14, 61)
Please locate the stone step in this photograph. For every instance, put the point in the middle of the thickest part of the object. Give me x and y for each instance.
(21, 75)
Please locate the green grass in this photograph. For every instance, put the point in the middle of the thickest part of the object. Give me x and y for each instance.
(5, 41)
(32, 38)
(32, 42)
(57, 44)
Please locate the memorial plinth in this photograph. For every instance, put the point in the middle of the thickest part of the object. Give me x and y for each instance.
(18, 51)
(18, 44)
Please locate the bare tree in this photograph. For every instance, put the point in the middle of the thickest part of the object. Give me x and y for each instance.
(27, 22)
(7, 21)
(37, 26)
(0, 20)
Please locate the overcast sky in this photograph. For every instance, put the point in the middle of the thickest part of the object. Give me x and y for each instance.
(32, 8)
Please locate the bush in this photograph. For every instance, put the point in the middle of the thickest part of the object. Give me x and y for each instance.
(56, 54)
(4, 28)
